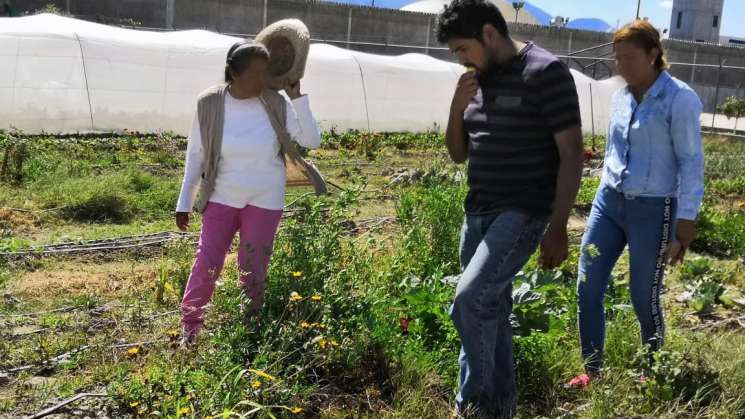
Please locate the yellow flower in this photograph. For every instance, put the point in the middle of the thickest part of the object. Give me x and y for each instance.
(173, 334)
(262, 374)
(208, 417)
(297, 274)
(334, 342)
(316, 297)
(184, 411)
(133, 351)
(319, 325)
(256, 385)
(320, 341)
(305, 325)
(296, 410)
(134, 404)
(294, 297)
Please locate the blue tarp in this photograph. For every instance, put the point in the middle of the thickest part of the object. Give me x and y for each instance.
(589, 24)
(539, 14)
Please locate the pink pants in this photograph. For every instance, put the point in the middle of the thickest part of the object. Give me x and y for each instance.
(257, 228)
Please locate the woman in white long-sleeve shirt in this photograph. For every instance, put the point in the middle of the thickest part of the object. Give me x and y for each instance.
(248, 183)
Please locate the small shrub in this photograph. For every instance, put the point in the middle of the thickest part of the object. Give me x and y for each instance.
(432, 217)
(141, 181)
(536, 360)
(721, 235)
(50, 8)
(425, 315)
(102, 206)
(675, 375)
(15, 155)
(705, 286)
(542, 300)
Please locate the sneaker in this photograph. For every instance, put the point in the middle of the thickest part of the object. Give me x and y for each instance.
(188, 341)
(580, 382)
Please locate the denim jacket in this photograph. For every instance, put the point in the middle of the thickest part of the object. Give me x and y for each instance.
(654, 147)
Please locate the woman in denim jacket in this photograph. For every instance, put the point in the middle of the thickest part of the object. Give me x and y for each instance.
(650, 193)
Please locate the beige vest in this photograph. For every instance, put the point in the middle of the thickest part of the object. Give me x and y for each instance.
(211, 114)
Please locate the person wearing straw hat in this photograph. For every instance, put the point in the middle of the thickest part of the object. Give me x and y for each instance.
(240, 158)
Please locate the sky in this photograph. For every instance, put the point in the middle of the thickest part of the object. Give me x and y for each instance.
(614, 12)
(658, 11)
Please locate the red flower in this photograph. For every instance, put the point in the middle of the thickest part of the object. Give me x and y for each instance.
(589, 155)
(403, 322)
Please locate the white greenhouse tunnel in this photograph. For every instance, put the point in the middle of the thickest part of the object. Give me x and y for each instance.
(60, 74)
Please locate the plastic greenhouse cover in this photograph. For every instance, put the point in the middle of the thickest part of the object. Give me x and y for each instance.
(60, 74)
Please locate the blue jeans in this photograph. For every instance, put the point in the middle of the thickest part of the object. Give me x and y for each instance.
(646, 225)
(493, 249)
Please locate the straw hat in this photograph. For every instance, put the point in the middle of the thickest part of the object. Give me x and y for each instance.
(288, 42)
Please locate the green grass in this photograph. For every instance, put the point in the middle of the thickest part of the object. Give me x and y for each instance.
(721, 234)
(587, 190)
(724, 188)
(352, 356)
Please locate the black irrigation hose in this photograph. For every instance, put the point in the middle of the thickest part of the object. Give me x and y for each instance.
(110, 244)
(51, 362)
(49, 411)
(121, 243)
(38, 313)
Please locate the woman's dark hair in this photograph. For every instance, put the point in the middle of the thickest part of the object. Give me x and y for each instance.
(241, 55)
(466, 19)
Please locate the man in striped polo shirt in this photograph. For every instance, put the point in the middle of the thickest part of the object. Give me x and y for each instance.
(515, 117)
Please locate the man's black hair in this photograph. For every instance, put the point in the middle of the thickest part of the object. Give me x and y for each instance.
(466, 19)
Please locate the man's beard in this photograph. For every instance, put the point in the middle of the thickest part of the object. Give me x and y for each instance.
(492, 66)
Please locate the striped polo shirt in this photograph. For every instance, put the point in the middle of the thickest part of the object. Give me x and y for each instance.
(510, 124)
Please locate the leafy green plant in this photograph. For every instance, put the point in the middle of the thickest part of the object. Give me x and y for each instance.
(369, 143)
(705, 288)
(538, 358)
(675, 375)
(14, 244)
(720, 234)
(694, 268)
(703, 295)
(431, 217)
(541, 300)
(424, 306)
